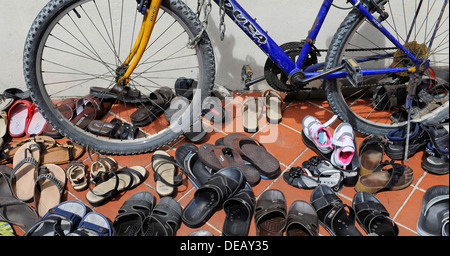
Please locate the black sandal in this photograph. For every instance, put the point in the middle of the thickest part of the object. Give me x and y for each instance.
(164, 220)
(372, 216)
(239, 211)
(332, 214)
(211, 195)
(132, 214)
(165, 168)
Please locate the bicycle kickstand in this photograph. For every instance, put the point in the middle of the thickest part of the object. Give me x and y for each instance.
(412, 86)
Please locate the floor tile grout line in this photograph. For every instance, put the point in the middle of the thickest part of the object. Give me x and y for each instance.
(319, 106)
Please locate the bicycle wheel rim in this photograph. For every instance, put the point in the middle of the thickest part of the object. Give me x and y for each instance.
(157, 136)
(360, 107)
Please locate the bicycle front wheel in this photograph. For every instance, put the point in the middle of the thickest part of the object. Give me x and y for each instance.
(377, 106)
(74, 45)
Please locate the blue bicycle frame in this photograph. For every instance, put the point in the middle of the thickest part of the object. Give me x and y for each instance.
(284, 62)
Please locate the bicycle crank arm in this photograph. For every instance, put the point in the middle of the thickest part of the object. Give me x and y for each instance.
(299, 77)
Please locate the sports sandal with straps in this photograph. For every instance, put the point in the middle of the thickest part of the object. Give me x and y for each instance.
(164, 220)
(239, 210)
(335, 216)
(76, 173)
(372, 216)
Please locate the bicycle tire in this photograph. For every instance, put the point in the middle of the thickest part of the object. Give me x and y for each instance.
(41, 29)
(340, 42)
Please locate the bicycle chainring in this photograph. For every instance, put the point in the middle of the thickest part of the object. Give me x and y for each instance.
(276, 78)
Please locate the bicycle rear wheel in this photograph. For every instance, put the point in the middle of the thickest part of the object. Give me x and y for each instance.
(377, 106)
(74, 45)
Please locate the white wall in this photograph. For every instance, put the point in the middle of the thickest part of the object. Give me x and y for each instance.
(287, 20)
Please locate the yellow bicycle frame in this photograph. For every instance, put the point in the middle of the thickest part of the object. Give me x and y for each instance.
(141, 42)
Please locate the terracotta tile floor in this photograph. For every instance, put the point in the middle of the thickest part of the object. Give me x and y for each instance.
(285, 143)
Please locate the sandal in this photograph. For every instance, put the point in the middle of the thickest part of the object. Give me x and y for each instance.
(270, 213)
(371, 152)
(195, 170)
(218, 157)
(67, 108)
(396, 178)
(164, 220)
(92, 108)
(302, 220)
(3, 124)
(120, 93)
(25, 166)
(103, 165)
(239, 211)
(48, 188)
(115, 129)
(302, 178)
(165, 169)
(207, 199)
(76, 173)
(434, 213)
(19, 115)
(93, 224)
(159, 101)
(254, 152)
(17, 212)
(5, 186)
(108, 184)
(372, 216)
(332, 213)
(59, 220)
(131, 215)
(273, 102)
(251, 113)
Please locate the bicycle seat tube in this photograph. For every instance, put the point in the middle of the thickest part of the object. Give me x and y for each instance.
(141, 42)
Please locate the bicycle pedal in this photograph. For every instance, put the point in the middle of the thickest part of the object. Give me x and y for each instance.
(246, 76)
(354, 72)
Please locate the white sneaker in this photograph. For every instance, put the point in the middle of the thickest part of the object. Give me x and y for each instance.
(318, 134)
(343, 140)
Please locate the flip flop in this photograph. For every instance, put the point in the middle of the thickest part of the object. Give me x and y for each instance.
(270, 213)
(335, 216)
(93, 224)
(49, 187)
(273, 102)
(207, 199)
(165, 169)
(17, 212)
(372, 216)
(254, 152)
(251, 113)
(131, 215)
(19, 116)
(196, 171)
(164, 220)
(25, 165)
(218, 157)
(59, 220)
(396, 178)
(434, 213)
(302, 220)
(239, 211)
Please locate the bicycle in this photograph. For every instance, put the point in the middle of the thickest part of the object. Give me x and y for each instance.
(74, 45)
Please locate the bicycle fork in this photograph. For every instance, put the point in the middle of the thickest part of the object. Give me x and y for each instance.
(140, 45)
